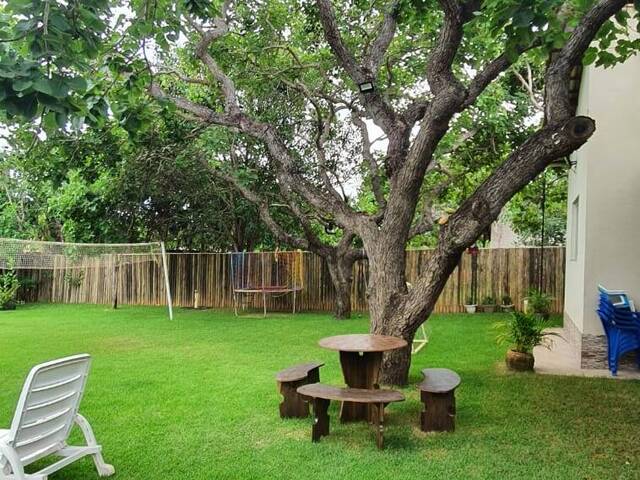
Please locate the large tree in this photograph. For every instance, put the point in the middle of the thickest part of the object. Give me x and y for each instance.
(414, 69)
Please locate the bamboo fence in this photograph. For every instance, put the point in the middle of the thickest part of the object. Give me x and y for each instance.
(511, 271)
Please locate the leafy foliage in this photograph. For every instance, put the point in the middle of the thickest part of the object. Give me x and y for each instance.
(539, 302)
(103, 185)
(9, 286)
(47, 50)
(524, 211)
(524, 331)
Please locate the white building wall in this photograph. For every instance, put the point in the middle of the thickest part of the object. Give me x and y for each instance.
(606, 180)
(503, 236)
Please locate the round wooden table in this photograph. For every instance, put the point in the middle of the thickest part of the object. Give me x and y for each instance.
(360, 358)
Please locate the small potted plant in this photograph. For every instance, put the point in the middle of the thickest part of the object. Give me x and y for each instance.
(538, 303)
(489, 304)
(507, 304)
(9, 285)
(523, 332)
(470, 306)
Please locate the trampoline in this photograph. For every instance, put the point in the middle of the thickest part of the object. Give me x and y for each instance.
(265, 273)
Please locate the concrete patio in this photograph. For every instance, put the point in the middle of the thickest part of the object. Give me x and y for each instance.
(564, 359)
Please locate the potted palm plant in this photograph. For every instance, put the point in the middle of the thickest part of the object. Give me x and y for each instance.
(489, 304)
(9, 285)
(523, 332)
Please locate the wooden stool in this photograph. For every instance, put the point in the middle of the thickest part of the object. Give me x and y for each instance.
(437, 392)
(293, 405)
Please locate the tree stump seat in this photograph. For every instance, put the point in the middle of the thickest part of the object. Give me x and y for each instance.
(437, 392)
(289, 379)
(321, 396)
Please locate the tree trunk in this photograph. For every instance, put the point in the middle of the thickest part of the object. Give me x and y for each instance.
(399, 312)
(341, 272)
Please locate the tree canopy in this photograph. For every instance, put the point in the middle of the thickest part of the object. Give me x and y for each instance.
(314, 85)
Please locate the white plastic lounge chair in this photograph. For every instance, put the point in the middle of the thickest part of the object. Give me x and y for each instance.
(46, 411)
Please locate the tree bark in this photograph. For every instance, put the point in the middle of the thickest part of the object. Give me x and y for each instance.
(399, 311)
(341, 272)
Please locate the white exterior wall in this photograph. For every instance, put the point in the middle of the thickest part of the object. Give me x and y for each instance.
(607, 181)
(503, 236)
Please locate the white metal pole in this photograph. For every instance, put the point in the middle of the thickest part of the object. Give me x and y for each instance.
(264, 294)
(165, 268)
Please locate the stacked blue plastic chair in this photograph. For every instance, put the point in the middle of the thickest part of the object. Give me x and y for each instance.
(621, 324)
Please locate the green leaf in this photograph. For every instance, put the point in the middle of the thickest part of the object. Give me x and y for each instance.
(77, 84)
(22, 84)
(49, 121)
(43, 85)
(523, 18)
(56, 87)
(6, 72)
(26, 107)
(589, 56)
(58, 21)
(61, 119)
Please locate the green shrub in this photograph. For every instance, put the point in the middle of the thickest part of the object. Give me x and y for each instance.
(523, 331)
(489, 300)
(506, 300)
(539, 302)
(9, 285)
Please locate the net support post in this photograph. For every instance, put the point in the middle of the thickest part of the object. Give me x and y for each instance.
(165, 269)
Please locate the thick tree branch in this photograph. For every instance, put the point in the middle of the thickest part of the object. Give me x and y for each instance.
(415, 111)
(439, 72)
(480, 209)
(286, 165)
(374, 170)
(200, 112)
(491, 71)
(263, 210)
(207, 37)
(483, 207)
(379, 109)
(380, 45)
(558, 106)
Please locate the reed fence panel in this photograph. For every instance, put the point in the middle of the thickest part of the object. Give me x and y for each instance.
(510, 271)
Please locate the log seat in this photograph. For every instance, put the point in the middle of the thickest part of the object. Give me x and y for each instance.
(288, 380)
(437, 392)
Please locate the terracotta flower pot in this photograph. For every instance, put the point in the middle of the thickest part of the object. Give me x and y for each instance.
(519, 362)
(488, 308)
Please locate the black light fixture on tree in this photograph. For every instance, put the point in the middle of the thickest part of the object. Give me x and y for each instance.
(365, 87)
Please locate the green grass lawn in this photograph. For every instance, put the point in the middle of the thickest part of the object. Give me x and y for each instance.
(196, 399)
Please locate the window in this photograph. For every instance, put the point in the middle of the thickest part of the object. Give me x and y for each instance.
(575, 214)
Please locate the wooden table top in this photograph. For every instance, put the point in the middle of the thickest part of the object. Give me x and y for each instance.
(297, 372)
(439, 380)
(356, 395)
(362, 343)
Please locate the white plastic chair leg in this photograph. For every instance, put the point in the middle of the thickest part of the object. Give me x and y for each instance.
(14, 465)
(104, 469)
